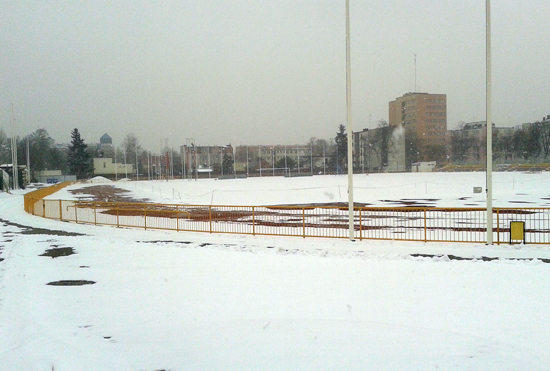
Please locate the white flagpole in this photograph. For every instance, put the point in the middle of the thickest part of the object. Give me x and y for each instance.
(489, 123)
(350, 132)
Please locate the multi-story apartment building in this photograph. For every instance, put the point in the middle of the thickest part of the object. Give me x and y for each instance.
(422, 114)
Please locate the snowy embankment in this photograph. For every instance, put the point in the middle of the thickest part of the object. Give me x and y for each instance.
(193, 301)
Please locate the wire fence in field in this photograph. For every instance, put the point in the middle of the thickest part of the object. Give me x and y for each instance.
(382, 223)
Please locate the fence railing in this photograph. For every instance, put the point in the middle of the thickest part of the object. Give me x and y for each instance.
(31, 198)
(381, 223)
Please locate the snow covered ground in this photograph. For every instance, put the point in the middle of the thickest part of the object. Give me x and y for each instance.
(192, 301)
(510, 189)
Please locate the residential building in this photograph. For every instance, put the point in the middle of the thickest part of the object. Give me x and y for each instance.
(422, 114)
(301, 158)
(106, 166)
(468, 144)
(205, 158)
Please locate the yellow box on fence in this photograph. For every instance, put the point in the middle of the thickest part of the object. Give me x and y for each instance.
(517, 231)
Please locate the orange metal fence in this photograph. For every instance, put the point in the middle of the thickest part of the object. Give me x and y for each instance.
(403, 223)
(31, 198)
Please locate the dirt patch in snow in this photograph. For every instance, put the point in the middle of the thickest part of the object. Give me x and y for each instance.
(104, 193)
(482, 258)
(25, 229)
(56, 252)
(71, 283)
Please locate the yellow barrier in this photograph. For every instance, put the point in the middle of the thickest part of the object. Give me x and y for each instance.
(398, 223)
(32, 197)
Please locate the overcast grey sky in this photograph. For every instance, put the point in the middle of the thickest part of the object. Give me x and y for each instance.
(260, 72)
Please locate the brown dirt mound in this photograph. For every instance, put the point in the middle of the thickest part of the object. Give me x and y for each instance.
(105, 193)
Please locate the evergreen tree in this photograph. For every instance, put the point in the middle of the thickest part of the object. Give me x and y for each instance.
(340, 156)
(282, 163)
(79, 159)
(227, 164)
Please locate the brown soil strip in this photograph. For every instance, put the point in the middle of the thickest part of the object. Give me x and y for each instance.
(106, 193)
(70, 283)
(484, 258)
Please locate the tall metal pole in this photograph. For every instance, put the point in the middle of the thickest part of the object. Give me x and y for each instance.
(415, 90)
(311, 157)
(298, 151)
(28, 159)
(137, 167)
(286, 166)
(260, 155)
(185, 154)
(488, 100)
(116, 168)
(14, 165)
(350, 132)
(361, 142)
(324, 160)
(125, 168)
(209, 165)
(172, 163)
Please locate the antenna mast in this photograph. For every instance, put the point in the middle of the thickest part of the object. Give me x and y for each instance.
(415, 72)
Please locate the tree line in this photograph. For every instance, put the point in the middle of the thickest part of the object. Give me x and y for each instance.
(530, 143)
(42, 153)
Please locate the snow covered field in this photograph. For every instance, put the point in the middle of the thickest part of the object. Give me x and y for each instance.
(512, 189)
(192, 301)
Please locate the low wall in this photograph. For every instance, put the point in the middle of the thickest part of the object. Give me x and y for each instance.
(32, 197)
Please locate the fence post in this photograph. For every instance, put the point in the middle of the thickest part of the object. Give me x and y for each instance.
(177, 218)
(303, 222)
(210, 216)
(360, 224)
(117, 223)
(145, 216)
(498, 227)
(60, 210)
(75, 212)
(425, 227)
(95, 213)
(253, 221)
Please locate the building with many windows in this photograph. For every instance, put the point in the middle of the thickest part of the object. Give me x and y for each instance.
(422, 114)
